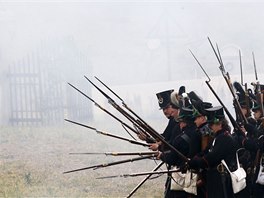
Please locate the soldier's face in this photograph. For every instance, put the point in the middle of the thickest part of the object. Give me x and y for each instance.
(199, 120)
(167, 111)
(257, 114)
(182, 125)
(215, 127)
(244, 110)
(175, 113)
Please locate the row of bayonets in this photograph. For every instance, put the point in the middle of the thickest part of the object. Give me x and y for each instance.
(139, 125)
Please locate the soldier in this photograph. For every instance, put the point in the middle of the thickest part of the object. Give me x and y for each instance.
(200, 119)
(168, 103)
(223, 147)
(188, 143)
(169, 110)
(254, 143)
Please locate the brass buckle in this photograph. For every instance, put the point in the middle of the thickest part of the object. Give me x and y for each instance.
(220, 168)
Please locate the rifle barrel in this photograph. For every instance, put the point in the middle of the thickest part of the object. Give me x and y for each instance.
(109, 164)
(144, 180)
(141, 174)
(119, 153)
(109, 134)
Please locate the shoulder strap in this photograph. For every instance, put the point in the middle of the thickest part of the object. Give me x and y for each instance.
(224, 163)
(186, 138)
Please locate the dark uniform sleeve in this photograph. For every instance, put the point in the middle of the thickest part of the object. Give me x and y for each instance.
(171, 157)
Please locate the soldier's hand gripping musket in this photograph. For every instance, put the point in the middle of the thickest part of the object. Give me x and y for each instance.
(109, 134)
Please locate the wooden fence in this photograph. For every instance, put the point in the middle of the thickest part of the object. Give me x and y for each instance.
(38, 96)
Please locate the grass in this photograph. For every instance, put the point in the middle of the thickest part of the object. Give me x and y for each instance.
(32, 162)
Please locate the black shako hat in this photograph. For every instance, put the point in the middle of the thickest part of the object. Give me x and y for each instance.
(256, 107)
(215, 114)
(243, 100)
(199, 108)
(186, 114)
(164, 98)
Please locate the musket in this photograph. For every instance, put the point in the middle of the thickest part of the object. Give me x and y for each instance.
(255, 67)
(247, 99)
(259, 94)
(141, 174)
(125, 105)
(119, 153)
(145, 129)
(232, 120)
(113, 116)
(229, 84)
(144, 180)
(94, 167)
(241, 69)
(154, 134)
(109, 134)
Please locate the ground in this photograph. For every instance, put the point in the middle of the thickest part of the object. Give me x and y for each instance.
(33, 159)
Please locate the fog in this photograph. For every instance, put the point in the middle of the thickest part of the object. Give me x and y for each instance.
(138, 48)
(128, 43)
(131, 42)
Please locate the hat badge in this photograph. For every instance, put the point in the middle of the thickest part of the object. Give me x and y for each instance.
(160, 100)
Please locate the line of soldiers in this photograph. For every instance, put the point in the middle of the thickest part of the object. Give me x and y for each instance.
(202, 133)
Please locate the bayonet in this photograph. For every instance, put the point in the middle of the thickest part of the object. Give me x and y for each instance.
(232, 120)
(229, 84)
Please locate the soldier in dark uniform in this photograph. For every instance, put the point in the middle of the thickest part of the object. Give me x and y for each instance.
(170, 110)
(223, 147)
(200, 119)
(168, 103)
(188, 143)
(254, 144)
